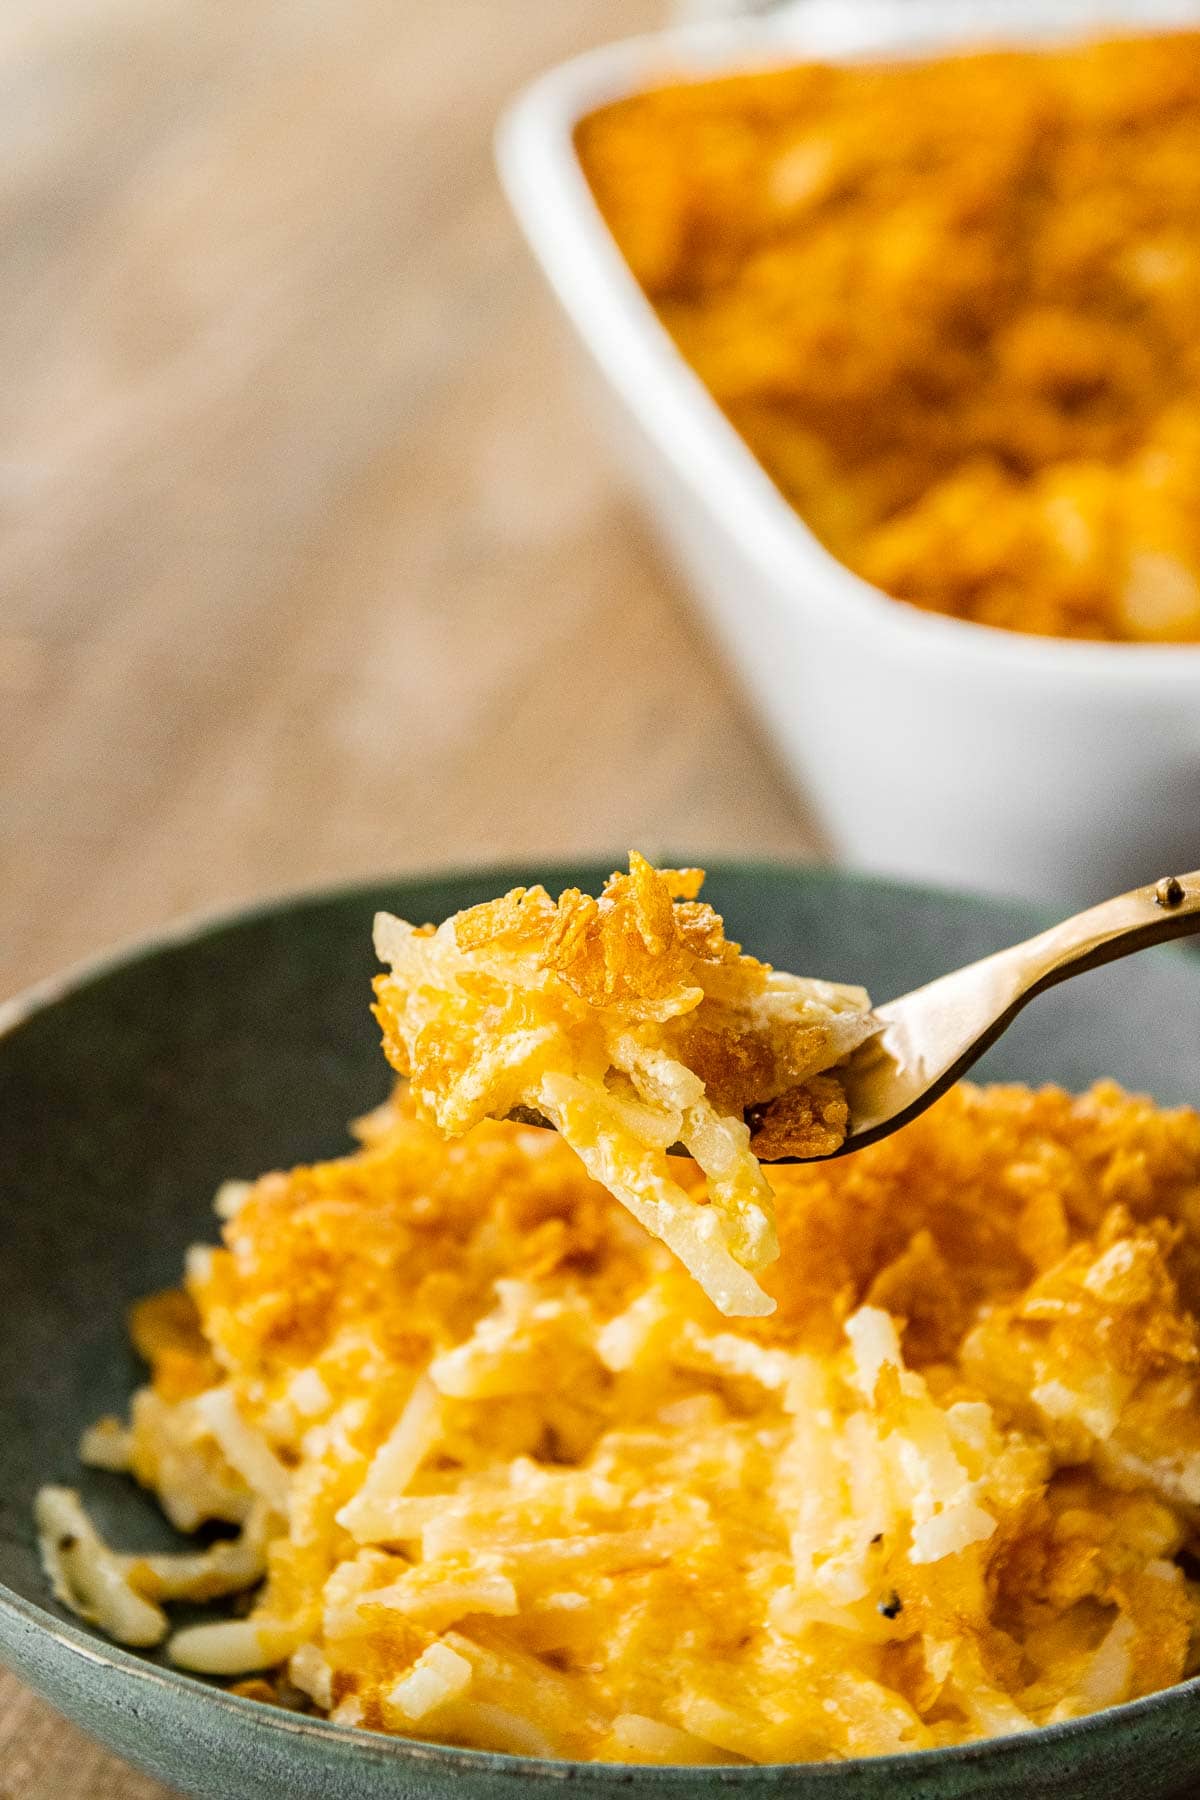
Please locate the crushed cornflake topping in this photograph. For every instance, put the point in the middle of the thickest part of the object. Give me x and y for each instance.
(631, 1023)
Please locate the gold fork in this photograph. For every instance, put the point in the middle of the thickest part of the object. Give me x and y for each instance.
(928, 1038)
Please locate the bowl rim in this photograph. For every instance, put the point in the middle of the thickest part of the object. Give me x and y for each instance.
(548, 191)
(92, 1649)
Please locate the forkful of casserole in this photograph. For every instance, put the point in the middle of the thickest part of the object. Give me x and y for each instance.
(636, 1029)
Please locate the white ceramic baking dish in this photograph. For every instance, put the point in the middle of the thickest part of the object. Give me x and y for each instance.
(930, 747)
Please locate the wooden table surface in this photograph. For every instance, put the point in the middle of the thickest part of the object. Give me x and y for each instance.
(310, 564)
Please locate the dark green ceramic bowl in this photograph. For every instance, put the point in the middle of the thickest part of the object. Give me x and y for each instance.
(129, 1091)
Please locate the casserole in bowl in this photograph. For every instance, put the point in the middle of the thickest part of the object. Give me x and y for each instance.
(128, 1091)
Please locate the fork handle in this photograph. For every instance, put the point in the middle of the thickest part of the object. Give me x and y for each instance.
(1168, 909)
(932, 1036)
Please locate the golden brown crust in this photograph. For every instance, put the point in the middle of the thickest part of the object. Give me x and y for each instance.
(951, 308)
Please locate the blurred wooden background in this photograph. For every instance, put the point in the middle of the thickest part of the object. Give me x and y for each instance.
(310, 564)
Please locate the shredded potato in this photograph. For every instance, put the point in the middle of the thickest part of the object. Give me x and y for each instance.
(951, 307)
(631, 1023)
(516, 1483)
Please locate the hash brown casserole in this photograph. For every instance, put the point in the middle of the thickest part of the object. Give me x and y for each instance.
(499, 1474)
(950, 306)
